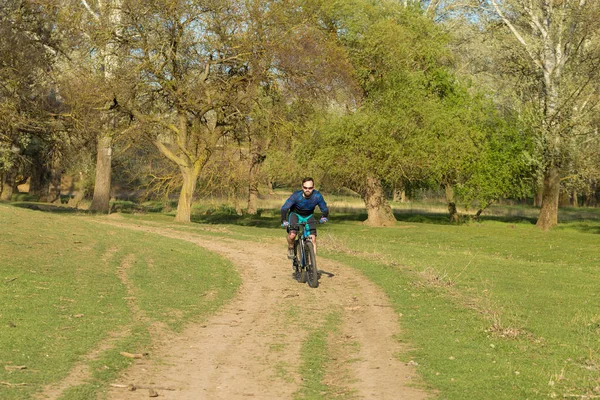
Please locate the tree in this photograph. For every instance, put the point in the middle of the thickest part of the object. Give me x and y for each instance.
(185, 68)
(91, 31)
(202, 76)
(560, 42)
(27, 100)
(382, 139)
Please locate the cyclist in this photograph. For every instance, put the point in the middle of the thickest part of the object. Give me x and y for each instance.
(302, 203)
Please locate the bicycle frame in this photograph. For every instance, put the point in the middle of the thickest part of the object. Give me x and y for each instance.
(300, 244)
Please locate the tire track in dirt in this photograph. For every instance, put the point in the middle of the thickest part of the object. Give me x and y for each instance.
(233, 354)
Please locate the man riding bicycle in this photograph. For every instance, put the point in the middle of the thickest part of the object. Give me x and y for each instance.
(301, 204)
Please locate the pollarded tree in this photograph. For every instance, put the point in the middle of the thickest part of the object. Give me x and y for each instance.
(186, 69)
(559, 42)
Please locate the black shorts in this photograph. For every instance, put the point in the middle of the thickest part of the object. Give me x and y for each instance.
(312, 224)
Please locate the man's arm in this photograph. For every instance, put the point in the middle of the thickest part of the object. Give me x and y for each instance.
(286, 207)
(323, 206)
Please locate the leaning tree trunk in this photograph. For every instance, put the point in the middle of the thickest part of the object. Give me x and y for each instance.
(101, 199)
(184, 206)
(379, 211)
(548, 217)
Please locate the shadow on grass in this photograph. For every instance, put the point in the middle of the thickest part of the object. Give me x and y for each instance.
(46, 207)
(218, 218)
(582, 226)
(583, 220)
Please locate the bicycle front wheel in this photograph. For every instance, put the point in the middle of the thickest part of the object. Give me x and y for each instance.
(311, 265)
(299, 272)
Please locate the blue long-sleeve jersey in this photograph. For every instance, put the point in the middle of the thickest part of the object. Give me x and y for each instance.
(304, 206)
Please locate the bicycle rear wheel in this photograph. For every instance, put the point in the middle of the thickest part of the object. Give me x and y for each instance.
(312, 271)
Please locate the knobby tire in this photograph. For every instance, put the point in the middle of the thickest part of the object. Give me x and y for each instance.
(311, 269)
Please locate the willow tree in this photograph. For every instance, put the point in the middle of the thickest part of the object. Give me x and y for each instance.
(397, 55)
(559, 42)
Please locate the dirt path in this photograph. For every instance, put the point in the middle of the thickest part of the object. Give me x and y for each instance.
(251, 348)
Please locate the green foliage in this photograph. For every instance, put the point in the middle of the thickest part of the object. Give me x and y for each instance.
(503, 168)
(395, 55)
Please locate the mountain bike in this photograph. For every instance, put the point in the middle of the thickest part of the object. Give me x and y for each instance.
(305, 260)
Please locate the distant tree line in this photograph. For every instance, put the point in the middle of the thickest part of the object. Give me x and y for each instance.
(482, 100)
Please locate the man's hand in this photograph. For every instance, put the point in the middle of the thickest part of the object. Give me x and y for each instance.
(285, 224)
(323, 220)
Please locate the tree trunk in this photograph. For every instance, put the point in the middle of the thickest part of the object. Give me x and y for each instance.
(452, 212)
(575, 198)
(399, 194)
(8, 184)
(564, 199)
(256, 147)
(184, 206)
(252, 199)
(38, 184)
(101, 199)
(379, 211)
(111, 10)
(55, 179)
(548, 217)
(253, 185)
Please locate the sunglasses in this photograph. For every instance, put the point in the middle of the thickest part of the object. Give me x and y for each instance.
(308, 188)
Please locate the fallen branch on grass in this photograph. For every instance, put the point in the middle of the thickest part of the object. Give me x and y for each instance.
(13, 384)
(15, 367)
(132, 355)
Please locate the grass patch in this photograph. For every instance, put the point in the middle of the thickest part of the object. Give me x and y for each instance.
(495, 310)
(67, 284)
(315, 358)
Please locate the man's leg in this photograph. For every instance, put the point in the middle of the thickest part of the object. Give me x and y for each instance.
(290, 239)
(292, 233)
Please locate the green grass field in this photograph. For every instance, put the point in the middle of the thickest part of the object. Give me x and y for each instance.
(495, 309)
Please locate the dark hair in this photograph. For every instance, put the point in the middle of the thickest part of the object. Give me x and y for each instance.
(308, 178)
